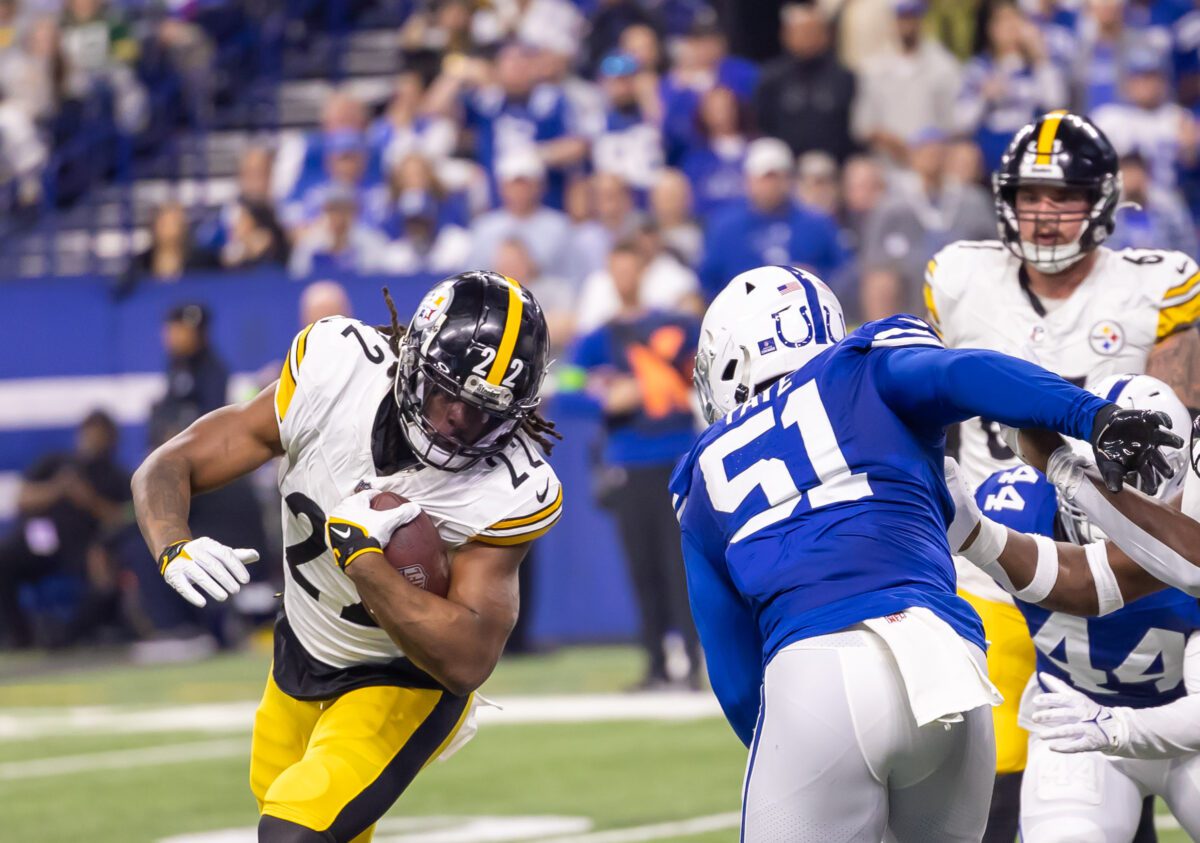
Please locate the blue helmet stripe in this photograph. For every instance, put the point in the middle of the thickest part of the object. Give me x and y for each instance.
(1117, 388)
(814, 305)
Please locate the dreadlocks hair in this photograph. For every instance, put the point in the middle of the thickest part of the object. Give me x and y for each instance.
(394, 332)
(536, 426)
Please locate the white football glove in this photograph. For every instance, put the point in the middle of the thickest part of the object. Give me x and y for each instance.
(966, 511)
(1068, 721)
(353, 527)
(218, 570)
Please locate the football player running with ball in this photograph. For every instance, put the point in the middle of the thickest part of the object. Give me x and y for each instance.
(372, 676)
(813, 515)
(1050, 292)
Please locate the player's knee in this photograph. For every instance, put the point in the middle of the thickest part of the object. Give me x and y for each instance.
(1063, 830)
(274, 830)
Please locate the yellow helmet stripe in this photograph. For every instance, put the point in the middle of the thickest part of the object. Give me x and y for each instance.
(512, 325)
(1046, 135)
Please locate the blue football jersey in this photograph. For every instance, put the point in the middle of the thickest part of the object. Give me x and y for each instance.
(821, 501)
(1132, 657)
(827, 507)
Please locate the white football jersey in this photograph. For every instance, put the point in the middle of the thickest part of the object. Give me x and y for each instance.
(333, 387)
(1131, 300)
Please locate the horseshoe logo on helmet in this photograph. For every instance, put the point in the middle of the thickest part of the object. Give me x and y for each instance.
(802, 310)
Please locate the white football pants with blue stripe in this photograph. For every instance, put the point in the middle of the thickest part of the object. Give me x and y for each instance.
(838, 757)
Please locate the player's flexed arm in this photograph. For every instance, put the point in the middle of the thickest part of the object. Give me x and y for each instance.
(216, 449)
(1163, 544)
(457, 639)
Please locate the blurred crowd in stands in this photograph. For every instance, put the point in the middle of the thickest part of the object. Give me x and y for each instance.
(616, 154)
(541, 133)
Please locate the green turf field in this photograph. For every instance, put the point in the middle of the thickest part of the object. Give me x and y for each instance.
(84, 757)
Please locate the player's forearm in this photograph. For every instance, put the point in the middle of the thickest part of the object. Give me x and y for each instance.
(1074, 590)
(216, 449)
(451, 642)
(162, 497)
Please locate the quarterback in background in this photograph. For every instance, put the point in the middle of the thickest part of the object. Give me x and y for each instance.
(1049, 292)
(372, 676)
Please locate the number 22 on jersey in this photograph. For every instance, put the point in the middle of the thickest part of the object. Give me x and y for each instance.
(804, 411)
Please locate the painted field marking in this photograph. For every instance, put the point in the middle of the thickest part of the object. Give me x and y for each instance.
(124, 759)
(657, 831)
(225, 718)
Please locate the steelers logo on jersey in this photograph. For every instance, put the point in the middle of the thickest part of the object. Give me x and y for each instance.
(1106, 337)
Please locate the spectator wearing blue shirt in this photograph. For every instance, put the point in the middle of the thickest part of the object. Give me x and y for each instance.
(386, 205)
(348, 164)
(714, 159)
(403, 129)
(1008, 85)
(1150, 217)
(701, 63)
(630, 145)
(638, 371)
(1109, 37)
(1149, 123)
(513, 112)
(302, 163)
(769, 227)
(338, 242)
(1059, 28)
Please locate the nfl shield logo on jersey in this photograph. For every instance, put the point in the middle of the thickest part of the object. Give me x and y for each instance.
(1106, 337)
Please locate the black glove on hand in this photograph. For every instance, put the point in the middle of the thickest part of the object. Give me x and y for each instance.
(1127, 441)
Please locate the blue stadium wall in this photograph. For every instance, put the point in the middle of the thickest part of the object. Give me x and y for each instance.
(72, 344)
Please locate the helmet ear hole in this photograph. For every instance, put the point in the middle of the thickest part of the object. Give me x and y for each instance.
(730, 369)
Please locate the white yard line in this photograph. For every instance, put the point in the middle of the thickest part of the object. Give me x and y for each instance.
(499, 830)
(658, 831)
(124, 759)
(226, 718)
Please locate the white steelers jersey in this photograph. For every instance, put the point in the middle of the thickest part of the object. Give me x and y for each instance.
(1131, 300)
(329, 395)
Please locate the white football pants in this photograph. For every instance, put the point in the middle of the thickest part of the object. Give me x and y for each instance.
(1089, 797)
(838, 757)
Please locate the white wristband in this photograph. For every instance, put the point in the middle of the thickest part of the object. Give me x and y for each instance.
(1108, 592)
(988, 544)
(1046, 574)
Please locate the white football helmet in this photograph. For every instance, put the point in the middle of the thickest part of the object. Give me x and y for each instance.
(1132, 392)
(766, 323)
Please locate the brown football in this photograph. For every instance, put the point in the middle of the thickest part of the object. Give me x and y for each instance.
(416, 549)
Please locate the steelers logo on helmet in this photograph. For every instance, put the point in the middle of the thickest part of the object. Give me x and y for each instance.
(1058, 150)
(471, 368)
(433, 305)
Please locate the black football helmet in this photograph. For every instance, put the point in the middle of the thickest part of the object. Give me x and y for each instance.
(480, 338)
(1062, 150)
